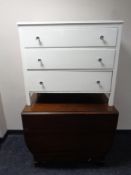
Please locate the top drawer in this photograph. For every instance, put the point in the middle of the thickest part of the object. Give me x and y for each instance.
(68, 36)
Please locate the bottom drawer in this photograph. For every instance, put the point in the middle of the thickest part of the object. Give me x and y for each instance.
(69, 81)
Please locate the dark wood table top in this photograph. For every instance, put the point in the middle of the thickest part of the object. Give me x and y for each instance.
(73, 103)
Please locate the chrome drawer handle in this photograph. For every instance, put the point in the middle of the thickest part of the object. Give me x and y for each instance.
(99, 83)
(41, 83)
(102, 37)
(100, 59)
(40, 61)
(38, 39)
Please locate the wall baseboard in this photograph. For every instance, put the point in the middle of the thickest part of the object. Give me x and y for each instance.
(10, 131)
(2, 139)
(13, 131)
(20, 132)
(123, 131)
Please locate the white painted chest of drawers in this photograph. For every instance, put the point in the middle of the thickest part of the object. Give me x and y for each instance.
(70, 57)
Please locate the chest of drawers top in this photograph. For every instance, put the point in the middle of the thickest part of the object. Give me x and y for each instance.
(69, 34)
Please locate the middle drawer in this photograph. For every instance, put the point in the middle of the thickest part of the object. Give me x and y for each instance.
(69, 58)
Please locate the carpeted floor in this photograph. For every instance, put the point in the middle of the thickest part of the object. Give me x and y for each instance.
(15, 159)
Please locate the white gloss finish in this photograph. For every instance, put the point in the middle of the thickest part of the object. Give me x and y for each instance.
(69, 58)
(68, 36)
(69, 81)
(69, 55)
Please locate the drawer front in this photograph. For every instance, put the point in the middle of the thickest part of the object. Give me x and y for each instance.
(69, 58)
(69, 81)
(68, 36)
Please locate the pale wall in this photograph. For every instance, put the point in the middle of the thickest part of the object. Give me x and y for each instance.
(11, 77)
